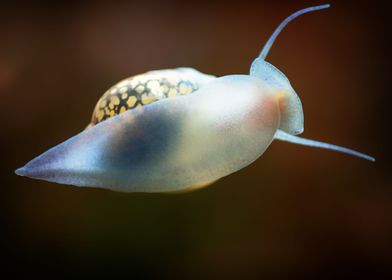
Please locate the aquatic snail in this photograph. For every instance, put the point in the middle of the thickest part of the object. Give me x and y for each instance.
(179, 129)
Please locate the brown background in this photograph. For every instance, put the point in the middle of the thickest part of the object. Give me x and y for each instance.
(296, 212)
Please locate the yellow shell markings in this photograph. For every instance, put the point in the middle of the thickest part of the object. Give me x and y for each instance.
(138, 91)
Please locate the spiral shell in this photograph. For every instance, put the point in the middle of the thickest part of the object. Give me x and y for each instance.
(147, 88)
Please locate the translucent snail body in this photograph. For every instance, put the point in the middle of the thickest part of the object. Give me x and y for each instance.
(179, 129)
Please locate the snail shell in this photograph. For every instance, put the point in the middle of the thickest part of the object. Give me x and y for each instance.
(146, 88)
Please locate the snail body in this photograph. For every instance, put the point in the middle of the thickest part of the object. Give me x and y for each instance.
(179, 129)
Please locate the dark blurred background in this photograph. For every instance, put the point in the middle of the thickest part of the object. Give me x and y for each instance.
(296, 213)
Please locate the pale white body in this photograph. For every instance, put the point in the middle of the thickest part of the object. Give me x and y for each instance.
(171, 145)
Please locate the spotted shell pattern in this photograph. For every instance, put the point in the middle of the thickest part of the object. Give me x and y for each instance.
(143, 89)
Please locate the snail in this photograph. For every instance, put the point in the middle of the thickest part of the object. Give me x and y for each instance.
(179, 129)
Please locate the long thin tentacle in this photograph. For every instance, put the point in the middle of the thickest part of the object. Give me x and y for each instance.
(271, 40)
(281, 135)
